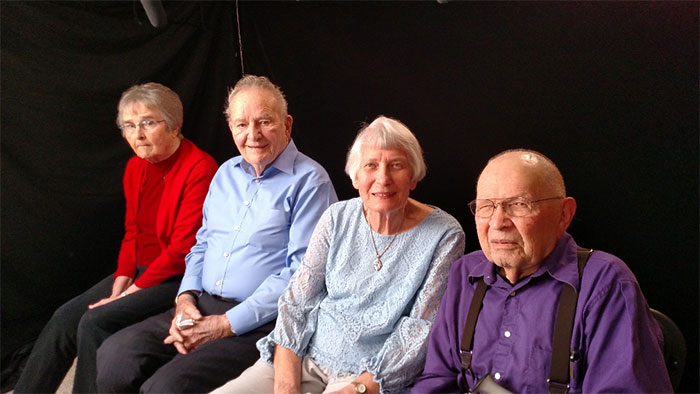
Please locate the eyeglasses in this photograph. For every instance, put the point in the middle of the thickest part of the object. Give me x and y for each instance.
(146, 124)
(513, 206)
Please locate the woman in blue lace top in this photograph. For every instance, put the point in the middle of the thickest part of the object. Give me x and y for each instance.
(356, 315)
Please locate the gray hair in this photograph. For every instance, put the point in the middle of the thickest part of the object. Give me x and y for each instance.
(154, 95)
(386, 133)
(548, 171)
(256, 82)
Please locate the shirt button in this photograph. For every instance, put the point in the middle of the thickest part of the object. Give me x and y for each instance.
(236, 228)
(506, 334)
(512, 294)
(246, 203)
(497, 375)
(226, 255)
(257, 181)
(218, 283)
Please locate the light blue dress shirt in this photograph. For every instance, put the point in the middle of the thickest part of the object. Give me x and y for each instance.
(255, 231)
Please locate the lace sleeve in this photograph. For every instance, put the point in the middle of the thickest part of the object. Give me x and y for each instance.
(298, 305)
(401, 359)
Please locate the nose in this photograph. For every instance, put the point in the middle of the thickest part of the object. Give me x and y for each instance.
(254, 131)
(499, 218)
(383, 175)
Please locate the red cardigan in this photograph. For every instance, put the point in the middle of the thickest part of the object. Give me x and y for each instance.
(178, 218)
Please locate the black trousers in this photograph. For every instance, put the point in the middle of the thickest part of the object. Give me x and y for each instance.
(74, 330)
(136, 359)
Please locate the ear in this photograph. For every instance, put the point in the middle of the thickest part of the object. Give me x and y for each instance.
(288, 121)
(354, 184)
(568, 209)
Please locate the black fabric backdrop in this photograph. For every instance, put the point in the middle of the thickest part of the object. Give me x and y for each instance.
(608, 90)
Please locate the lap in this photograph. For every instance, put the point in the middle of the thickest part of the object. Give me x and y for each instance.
(259, 378)
(137, 306)
(209, 366)
(78, 305)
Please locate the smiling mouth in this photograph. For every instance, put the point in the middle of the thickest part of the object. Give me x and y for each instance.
(256, 147)
(384, 195)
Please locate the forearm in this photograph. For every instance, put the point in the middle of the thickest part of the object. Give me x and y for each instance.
(287, 371)
(120, 285)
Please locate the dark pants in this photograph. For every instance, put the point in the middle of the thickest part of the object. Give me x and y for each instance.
(136, 359)
(74, 330)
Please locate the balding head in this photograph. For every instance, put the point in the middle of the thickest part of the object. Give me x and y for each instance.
(519, 244)
(542, 170)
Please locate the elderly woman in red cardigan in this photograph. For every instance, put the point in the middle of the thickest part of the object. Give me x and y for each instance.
(165, 184)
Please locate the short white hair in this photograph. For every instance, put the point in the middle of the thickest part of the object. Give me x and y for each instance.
(156, 96)
(256, 82)
(386, 133)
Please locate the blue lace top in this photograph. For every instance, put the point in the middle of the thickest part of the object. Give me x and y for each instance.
(350, 318)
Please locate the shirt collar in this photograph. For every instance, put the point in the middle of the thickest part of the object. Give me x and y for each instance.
(483, 269)
(284, 162)
(561, 264)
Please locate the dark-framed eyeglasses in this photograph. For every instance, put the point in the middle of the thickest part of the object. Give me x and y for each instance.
(146, 124)
(513, 206)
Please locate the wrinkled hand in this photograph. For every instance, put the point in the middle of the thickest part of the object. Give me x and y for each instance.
(205, 329)
(187, 309)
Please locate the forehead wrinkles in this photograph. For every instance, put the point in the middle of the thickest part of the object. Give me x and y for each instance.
(254, 102)
(510, 179)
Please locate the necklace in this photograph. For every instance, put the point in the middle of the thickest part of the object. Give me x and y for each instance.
(378, 262)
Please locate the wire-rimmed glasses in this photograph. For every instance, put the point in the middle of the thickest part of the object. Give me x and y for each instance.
(513, 206)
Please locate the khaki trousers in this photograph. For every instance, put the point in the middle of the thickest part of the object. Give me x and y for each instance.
(260, 379)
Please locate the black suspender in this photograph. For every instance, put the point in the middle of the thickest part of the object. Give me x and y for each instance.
(562, 357)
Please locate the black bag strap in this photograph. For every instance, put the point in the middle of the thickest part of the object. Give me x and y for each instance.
(562, 357)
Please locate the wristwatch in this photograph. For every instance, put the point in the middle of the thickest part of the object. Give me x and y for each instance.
(360, 388)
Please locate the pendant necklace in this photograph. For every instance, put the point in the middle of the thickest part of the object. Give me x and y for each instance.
(378, 262)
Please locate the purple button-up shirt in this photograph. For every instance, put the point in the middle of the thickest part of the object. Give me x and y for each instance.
(618, 341)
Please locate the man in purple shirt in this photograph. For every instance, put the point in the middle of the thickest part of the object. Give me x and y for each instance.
(526, 258)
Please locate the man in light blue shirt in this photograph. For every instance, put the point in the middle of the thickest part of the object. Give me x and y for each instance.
(258, 217)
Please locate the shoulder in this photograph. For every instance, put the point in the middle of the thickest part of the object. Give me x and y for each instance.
(606, 275)
(308, 169)
(345, 209)
(441, 219)
(134, 171)
(603, 268)
(473, 263)
(470, 261)
(134, 163)
(227, 168)
(192, 154)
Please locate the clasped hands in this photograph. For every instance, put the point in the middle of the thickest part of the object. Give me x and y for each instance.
(187, 337)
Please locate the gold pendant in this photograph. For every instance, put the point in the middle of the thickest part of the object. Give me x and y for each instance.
(377, 264)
